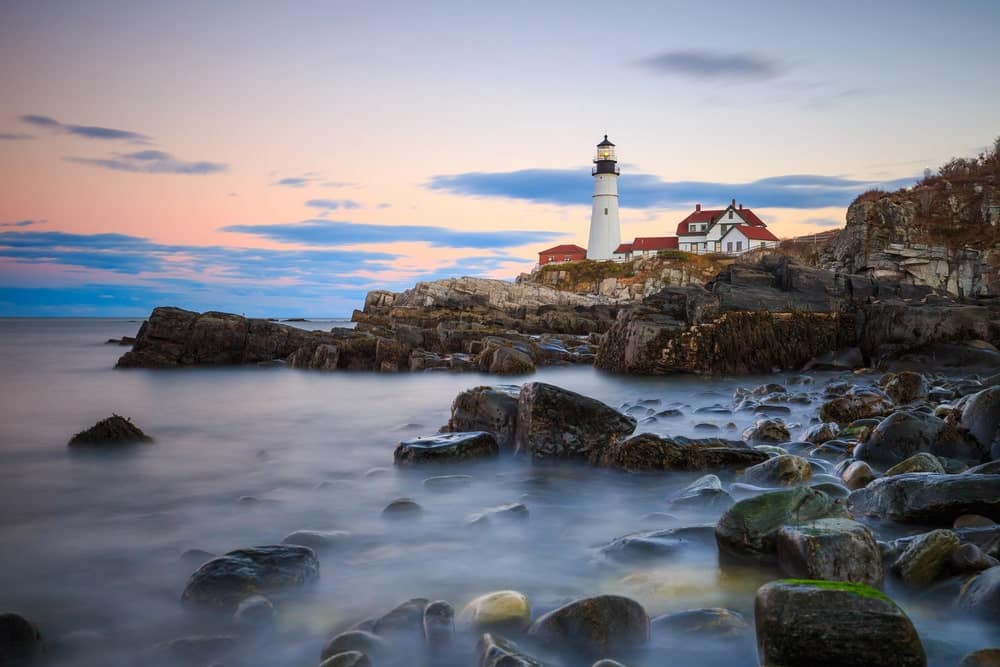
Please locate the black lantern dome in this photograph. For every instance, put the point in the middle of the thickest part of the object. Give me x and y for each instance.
(605, 159)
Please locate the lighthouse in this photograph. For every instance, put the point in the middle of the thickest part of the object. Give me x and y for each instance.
(605, 231)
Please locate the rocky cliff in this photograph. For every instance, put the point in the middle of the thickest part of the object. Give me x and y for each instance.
(944, 232)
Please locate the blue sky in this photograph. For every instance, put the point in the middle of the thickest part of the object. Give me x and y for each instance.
(282, 159)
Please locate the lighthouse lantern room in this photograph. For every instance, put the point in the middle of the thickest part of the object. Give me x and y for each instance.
(605, 230)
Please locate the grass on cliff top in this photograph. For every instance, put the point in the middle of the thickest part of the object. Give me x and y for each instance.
(861, 590)
(590, 269)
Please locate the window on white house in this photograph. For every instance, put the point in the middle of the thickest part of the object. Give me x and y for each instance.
(729, 246)
(763, 243)
(739, 246)
(605, 211)
(730, 215)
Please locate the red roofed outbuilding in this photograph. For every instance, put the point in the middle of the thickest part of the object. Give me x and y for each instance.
(562, 253)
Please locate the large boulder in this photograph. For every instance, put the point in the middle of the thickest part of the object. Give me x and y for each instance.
(499, 611)
(223, 582)
(904, 434)
(651, 452)
(981, 416)
(555, 423)
(447, 448)
(783, 470)
(492, 409)
(928, 497)
(926, 557)
(804, 623)
(981, 594)
(905, 387)
(856, 404)
(606, 625)
(749, 528)
(508, 360)
(832, 549)
(712, 622)
(115, 430)
(20, 640)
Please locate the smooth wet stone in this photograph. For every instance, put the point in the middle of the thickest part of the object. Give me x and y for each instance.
(858, 475)
(508, 512)
(254, 613)
(749, 528)
(973, 521)
(406, 619)
(928, 497)
(597, 626)
(711, 622)
(402, 508)
(20, 640)
(785, 470)
(447, 483)
(495, 651)
(490, 409)
(223, 582)
(767, 431)
(981, 595)
(439, 623)
(115, 430)
(856, 404)
(447, 448)
(925, 558)
(968, 558)
(706, 426)
(658, 544)
(984, 657)
(820, 433)
(802, 623)
(555, 423)
(904, 387)
(347, 659)
(922, 462)
(832, 489)
(704, 493)
(981, 417)
(650, 452)
(771, 450)
(499, 611)
(832, 549)
(670, 413)
(361, 641)
(903, 434)
(317, 540)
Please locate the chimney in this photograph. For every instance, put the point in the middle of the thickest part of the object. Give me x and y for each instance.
(697, 207)
(734, 202)
(741, 207)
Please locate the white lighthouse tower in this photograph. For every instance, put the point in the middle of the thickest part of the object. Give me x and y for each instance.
(605, 231)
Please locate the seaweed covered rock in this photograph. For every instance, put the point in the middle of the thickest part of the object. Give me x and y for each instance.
(750, 527)
(651, 452)
(115, 430)
(806, 623)
(856, 404)
(832, 549)
(447, 448)
(598, 626)
(905, 387)
(928, 497)
(767, 431)
(555, 423)
(223, 582)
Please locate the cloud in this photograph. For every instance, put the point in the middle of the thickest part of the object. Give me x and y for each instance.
(86, 131)
(384, 204)
(568, 187)
(335, 233)
(149, 162)
(714, 65)
(21, 223)
(333, 204)
(298, 181)
(15, 136)
(823, 222)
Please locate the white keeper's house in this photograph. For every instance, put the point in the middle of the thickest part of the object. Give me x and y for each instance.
(730, 231)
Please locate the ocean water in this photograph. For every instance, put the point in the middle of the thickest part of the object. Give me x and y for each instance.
(91, 542)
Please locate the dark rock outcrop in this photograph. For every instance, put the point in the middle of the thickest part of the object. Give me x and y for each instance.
(928, 497)
(804, 623)
(830, 549)
(903, 434)
(555, 423)
(492, 409)
(598, 626)
(648, 452)
(223, 582)
(20, 640)
(115, 430)
(447, 448)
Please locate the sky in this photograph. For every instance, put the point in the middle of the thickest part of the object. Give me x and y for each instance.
(281, 159)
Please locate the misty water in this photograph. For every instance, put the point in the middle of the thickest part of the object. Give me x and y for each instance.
(91, 542)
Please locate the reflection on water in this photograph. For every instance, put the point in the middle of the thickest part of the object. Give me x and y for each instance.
(243, 456)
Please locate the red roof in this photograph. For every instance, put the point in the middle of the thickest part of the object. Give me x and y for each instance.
(710, 216)
(655, 243)
(622, 249)
(756, 233)
(565, 249)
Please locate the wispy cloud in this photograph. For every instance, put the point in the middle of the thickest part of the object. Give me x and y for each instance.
(384, 204)
(15, 136)
(336, 233)
(21, 223)
(333, 204)
(823, 222)
(150, 162)
(567, 187)
(298, 181)
(706, 64)
(86, 131)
